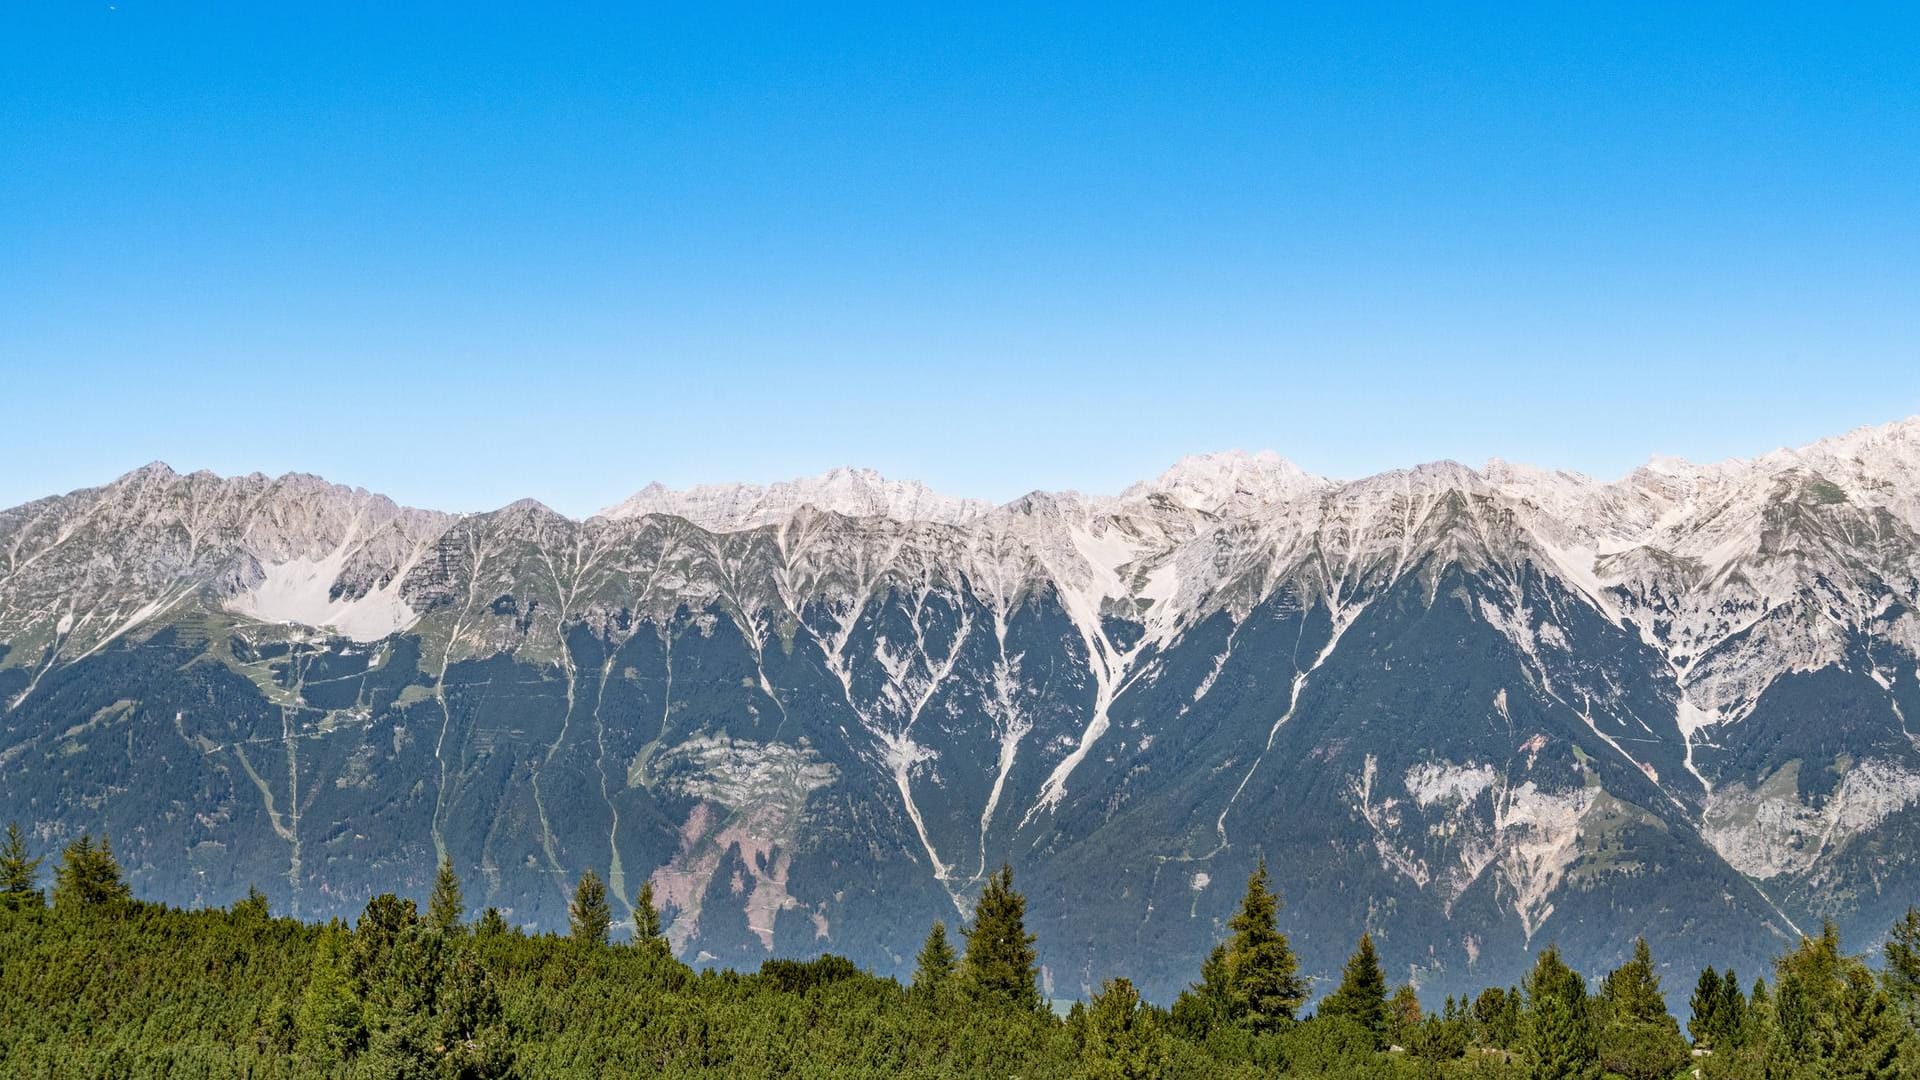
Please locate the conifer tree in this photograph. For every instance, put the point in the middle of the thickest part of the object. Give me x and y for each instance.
(1559, 1026)
(445, 908)
(1362, 994)
(1638, 1038)
(491, 924)
(1203, 1006)
(19, 873)
(1732, 1014)
(1832, 1017)
(88, 875)
(1122, 1040)
(1495, 1019)
(647, 929)
(386, 919)
(588, 915)
(1705, 1005)
(1740, 1052)
(936, 962)
(472, 1029)
(1873, 1039)
(253, 906)
(329, 1022)
(1404, 1014)
(1632, 990)
(1000, 963)
(1264, 987)
(1901, 972)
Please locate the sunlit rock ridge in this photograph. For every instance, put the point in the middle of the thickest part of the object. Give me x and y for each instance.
(1472, 711)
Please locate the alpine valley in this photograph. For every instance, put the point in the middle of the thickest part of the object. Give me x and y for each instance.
(1474, 712)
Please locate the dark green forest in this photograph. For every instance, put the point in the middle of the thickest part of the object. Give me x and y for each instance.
(97, 983)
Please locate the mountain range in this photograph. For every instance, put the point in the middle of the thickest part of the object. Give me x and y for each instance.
(1470, 711)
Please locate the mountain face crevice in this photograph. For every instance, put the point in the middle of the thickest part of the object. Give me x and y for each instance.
(1468, 711)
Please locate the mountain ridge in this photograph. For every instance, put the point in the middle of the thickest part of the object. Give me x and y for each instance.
(1489, 700)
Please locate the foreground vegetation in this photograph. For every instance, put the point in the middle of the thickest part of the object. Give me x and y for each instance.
(98, 984)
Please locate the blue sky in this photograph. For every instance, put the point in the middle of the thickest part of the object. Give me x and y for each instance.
(469, 253)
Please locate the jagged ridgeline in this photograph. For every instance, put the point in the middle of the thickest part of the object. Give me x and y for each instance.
(1470, 712)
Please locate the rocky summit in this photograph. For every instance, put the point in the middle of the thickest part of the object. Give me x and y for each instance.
(1471, 711)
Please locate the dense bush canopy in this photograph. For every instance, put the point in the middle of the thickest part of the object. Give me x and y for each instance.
(99, 984)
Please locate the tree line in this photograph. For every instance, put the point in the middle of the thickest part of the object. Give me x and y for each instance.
(96, 983)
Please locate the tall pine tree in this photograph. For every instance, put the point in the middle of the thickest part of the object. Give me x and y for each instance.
(1559, 1032)
(1121, 1037)
(647, 929)
(1264, 986)
(1901, 972)
(588, 916)
(19, 873)
(1706, 1006)
(1362, 994)
(88, 875)
(1832, 1017)
(935, 967)
(445, 909)
(1638, 1038)
(1001, 964)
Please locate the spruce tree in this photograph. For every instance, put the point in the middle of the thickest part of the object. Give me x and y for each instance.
(445, 909)
(254, 906)
(386, 919)
(1122, 1039)
(1493, 1019)
(1638, 1038)
(1873, 1040)
(19, 873)
(1705, 1005)
(1559, 1026)
(1204, 1006)
(1832, 1017)
(329, 1022)
(647, 928)
(88, 875)
(589, 917)
(1901, 973)
(1362, 994)
(1632, 990)
(936, 962)
(1264, 987)
(1000, 963)
(491, 924)
(472, 1027)
(1732, 1014)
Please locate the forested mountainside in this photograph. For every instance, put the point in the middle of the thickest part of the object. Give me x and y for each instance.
(102, 985)
(1467, 712)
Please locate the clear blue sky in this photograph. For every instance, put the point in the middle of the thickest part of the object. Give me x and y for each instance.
(468, 253)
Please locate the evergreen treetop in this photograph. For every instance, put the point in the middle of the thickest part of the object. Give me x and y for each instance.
(647, 929)
(936, 963)
(1362, 994)
(589, 916)
(1559, 1030)
(19, 873)
(88, 875)
(445, 908)
(1000, 962)
(1632, 990)
(1264, 986)
(1901, 972)
(1705, 1005)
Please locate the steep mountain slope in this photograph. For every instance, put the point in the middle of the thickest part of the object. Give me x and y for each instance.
(1469, 711)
